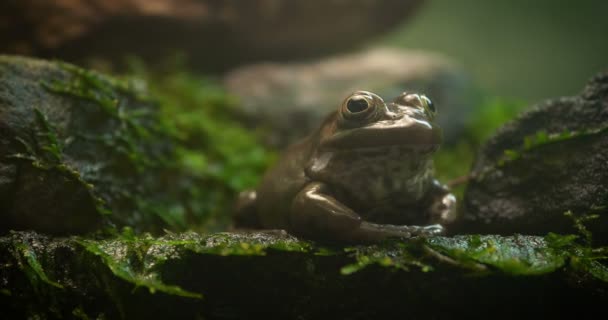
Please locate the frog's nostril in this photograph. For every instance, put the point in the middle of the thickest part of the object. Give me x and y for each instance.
(357, 104)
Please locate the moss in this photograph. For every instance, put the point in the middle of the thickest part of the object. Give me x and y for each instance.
(542, 138)
(104, 136)
(29, 264)
(120, 264)
(220, 156)
(92, 86)
(47, 154)
(579, 249)
(532, 148)
(241, 270)
(109, 95)
(79, 313)
(393, 255)
(516, 255)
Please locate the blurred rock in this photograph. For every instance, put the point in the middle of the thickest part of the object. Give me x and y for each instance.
(293, 99)
(549, 160)
(216, 34)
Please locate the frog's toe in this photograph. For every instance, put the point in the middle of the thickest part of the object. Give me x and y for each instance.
(377, 232)
(432, 230)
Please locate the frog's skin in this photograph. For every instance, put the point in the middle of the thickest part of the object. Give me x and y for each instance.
(365, 175)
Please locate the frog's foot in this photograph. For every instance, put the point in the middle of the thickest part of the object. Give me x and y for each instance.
(377, 232)
(315, 213)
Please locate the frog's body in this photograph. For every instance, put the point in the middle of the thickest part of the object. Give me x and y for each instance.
(365, 175)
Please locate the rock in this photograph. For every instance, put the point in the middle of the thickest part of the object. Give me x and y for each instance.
(217, 34)
(274, 275)
(549, 160)
(78, 150)
(293, 99)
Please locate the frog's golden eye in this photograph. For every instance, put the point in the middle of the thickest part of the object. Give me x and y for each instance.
(358, 107)
(429, 103)
(357, 104)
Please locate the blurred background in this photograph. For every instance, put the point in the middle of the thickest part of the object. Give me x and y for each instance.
(516, 49)
(521, 49)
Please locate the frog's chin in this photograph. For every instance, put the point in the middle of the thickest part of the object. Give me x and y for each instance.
(415, 137)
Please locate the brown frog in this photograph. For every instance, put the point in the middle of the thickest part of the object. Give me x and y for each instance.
(365, 175)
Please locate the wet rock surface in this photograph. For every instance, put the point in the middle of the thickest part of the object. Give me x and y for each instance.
(551, 159)
(218, 34)
(293, 99)
(274, 275)
(77, 149)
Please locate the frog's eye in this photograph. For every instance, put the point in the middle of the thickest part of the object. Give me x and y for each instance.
(357, 104)
(358, 107)
(429, 103)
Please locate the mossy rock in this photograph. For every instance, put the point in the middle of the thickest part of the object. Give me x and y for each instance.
(549, 160)
(272, 274)
(78, 150)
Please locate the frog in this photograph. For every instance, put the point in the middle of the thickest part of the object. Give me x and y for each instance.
(364, 176)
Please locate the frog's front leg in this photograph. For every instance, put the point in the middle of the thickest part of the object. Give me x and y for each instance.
(315, 212)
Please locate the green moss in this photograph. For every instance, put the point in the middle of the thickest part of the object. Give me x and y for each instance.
(127, 141)
(582, 255)
(79, 313)
(220, 156)
(47, 154)
(230, 267)
(120, 262)
(393, 255)
(236, 244)
(102, 90)
(29, 264)
(113, 96)
(52, 146)
(583, 258)
(579, 224)
(532, 145)
(542, 138)
(517, 255)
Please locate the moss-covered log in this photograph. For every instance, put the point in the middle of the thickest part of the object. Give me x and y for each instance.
(236, 275)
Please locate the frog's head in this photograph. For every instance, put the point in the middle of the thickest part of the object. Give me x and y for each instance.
(363, 120)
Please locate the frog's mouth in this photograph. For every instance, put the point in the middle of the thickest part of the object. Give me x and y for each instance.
(403, 132)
